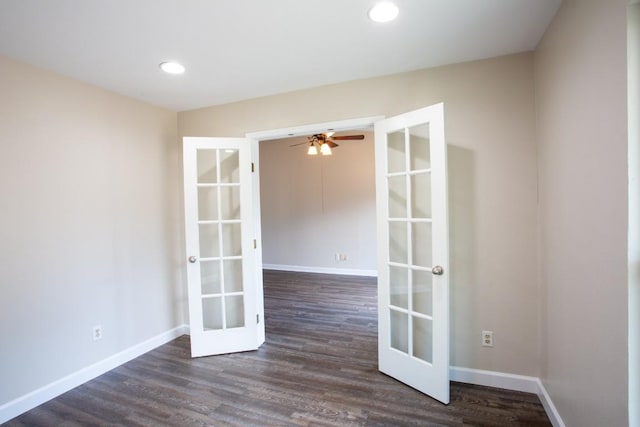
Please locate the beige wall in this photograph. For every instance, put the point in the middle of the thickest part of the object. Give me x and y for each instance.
(633, 114)
(316, 206)
(582, 124)
(489, 114)
(88, 225)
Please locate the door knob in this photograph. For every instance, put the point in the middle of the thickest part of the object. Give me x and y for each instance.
(437, 270)
(192, 259)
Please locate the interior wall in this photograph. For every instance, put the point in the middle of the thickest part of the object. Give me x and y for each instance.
(633, 100)
(88, 226)
(316, 206)
(489, 124)
(580, 72)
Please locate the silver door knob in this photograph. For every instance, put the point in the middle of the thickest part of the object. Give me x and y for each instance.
(192, 259)
(437, 270)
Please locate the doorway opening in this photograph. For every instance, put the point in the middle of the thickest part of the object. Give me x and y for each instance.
(318, 212)
(318, 228)
(302, 211)
(308, 211)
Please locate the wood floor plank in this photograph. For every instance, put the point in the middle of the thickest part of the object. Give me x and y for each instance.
(318, 367)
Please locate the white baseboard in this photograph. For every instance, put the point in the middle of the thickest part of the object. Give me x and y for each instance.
(509, 382)
(494, 379)
(323, 270)
(549, 407)
(37, 397)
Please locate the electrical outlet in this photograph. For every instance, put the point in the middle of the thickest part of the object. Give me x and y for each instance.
(343, 257)
(97, 332)
(487, 338)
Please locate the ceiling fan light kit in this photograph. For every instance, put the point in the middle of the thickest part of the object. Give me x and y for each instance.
(325, 141)
(325, 150)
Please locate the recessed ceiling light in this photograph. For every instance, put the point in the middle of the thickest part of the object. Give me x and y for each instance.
(383, 12)
(172, 67)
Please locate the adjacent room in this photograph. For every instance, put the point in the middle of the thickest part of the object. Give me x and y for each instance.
(315, 208)
(107, 106)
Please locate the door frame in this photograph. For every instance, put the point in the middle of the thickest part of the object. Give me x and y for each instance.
(289, 132)
(304, 130)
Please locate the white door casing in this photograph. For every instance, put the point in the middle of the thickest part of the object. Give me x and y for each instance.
(223, 272)
(413, 250)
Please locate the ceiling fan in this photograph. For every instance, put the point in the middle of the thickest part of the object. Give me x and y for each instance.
(324, 142)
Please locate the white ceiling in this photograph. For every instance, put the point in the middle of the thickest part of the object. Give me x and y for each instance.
(241, 49)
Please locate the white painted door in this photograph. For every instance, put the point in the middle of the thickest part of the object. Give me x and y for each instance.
(224, 281)
(413, 250)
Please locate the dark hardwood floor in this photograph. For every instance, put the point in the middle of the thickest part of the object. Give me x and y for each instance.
(316, 368)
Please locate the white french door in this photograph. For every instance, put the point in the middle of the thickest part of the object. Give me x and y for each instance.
(222, 271)
(413, 250)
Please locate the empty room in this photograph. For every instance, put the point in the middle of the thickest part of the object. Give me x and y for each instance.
(320, 213)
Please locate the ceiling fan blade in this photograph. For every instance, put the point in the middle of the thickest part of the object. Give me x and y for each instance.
(299, 143)
(347, 137)
(331, 144)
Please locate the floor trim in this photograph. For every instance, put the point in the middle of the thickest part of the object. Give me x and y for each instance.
(549, 407)
(323, 270)
(508, 382)
(37, 397)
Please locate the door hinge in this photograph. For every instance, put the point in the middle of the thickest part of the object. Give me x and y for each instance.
(257, 318)
(255, 244)
(253, 167)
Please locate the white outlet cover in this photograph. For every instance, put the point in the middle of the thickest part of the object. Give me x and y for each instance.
(97, 332)
(487, 338)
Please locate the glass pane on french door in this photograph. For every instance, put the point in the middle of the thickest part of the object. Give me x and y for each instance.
(219, 235)
(410, 242)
